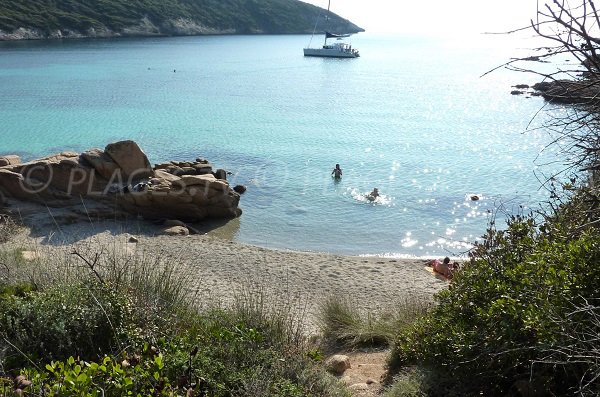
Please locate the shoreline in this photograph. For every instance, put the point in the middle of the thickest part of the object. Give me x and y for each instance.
(382, 256)
(227, 231)
(33, 36)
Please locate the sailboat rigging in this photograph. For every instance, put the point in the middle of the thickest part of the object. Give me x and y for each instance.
(337, 49)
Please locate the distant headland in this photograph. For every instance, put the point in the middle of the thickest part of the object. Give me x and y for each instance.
(64, 19)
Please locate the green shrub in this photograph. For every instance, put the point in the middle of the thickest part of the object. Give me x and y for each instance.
(502, 317)
(96, 321)
(106, 377)
(242, 353)
(420, 382)
(82, 320)
(87, 311)
(18, 289)
(217, 357)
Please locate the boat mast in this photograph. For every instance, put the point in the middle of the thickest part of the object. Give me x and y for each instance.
(327, 22)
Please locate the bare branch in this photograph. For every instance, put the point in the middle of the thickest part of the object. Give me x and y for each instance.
(91, 264)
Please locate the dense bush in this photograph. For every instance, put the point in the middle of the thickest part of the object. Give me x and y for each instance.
(236, 358)
(501, 323)
(218, 355)
(84, 320)
(217, 360)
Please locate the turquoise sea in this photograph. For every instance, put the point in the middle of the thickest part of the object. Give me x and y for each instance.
(411, 117)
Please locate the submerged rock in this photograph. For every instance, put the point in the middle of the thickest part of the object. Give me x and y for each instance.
(240, 189)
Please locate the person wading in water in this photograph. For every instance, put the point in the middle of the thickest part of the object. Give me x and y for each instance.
(337, 172)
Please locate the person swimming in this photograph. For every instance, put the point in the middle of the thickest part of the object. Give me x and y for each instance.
(373, 195)
(337, 172)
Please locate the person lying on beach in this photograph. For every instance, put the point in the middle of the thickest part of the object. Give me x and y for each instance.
(373, 195)
(444, 268)
(337, 172)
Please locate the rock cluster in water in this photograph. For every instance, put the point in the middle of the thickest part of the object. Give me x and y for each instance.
(563, 91)
(119, 181)
(570, 91)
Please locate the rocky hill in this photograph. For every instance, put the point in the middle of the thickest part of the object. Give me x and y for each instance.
(40, 19)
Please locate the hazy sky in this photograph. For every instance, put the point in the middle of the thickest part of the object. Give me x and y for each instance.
(438, 17)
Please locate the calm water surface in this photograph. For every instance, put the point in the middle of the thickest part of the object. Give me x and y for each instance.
(411, 117)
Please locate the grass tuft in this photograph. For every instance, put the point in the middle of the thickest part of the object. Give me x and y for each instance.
(342, 324)
(408, 383)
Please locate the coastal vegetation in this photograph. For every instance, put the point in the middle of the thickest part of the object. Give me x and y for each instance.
(87, 324)
(85, 18)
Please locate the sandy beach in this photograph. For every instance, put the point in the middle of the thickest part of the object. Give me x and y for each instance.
(217, 270)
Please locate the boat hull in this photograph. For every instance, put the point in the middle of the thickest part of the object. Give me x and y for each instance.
(328, 53)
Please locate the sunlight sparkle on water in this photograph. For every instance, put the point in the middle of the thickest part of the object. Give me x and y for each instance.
(408, 241)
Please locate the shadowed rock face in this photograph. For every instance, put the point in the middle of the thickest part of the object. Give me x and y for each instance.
(120, 181)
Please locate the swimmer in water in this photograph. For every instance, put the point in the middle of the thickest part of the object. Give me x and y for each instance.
(337, 172)
(373, 195)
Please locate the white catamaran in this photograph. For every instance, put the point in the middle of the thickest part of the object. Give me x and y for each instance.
(338, 49)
